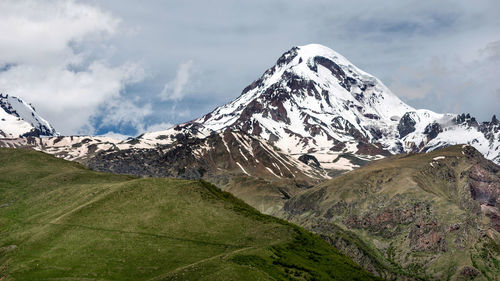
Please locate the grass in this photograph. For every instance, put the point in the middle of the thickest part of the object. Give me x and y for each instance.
(59, 220)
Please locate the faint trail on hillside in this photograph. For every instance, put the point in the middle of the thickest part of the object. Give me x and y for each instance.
(142, 233)
(112, 188)
(165, 275)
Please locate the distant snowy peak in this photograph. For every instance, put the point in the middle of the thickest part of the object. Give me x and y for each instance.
(464, 129)
(19, 119)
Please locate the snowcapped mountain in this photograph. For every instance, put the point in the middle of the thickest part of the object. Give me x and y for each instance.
(313, 105)
(314, 101)
(19, 119)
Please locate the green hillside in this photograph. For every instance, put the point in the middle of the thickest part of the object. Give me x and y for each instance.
(432, 216)
(62, 221)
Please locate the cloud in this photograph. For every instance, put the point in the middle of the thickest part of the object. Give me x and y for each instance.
(124, 112)
(46, 46)
(418, 82)
(175, 89)
(412, 92)
(67, 98)
(158, 127)
(454, 83)
(226, 42)
(491, 51)
(40, 32)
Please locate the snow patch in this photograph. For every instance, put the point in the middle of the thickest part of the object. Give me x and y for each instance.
(241, 167)
(271, 171)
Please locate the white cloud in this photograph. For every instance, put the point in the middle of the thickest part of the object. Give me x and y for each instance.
(159, 127)
(123, 111)
(68, 98)
(40, 31)
(175, 89)
(46, 42)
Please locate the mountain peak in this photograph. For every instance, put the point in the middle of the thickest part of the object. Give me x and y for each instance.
(313, 50)
(19, 119)
(310, 100)
(315, 101)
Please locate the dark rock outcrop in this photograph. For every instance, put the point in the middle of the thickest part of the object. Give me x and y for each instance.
(432, 131)
(309, 160)
(406, 125)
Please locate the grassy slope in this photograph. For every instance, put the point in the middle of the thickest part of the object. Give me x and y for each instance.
(59, 220)
(403, 181)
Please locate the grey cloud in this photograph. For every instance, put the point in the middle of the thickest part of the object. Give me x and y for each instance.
(491, 51)
(175, 89)
(233, 42)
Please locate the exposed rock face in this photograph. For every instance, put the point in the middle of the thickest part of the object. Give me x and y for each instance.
(190, 157)
(466, 119)
(371, 149)
(312, 110)
(432, 131)
(427, 236)
(177, 162)
(309, 160)
(494, 120)
(485, 185)
(387, 221)
(310, 101)
(314, 102)
(469, 273)
(406, 125)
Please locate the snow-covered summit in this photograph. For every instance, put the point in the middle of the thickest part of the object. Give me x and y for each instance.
(315, 101)
(316, 79)
(19, 119)
(310, 99)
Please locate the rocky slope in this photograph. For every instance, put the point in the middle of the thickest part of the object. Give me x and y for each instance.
(250, 167)
(73, 148)
(19, 119)
(430, 216)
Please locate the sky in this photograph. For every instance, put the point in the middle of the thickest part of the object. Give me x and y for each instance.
(128, 67)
